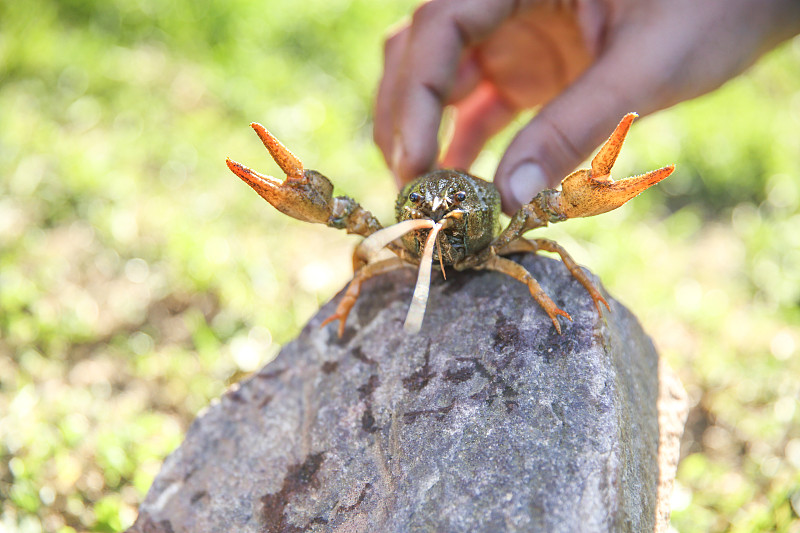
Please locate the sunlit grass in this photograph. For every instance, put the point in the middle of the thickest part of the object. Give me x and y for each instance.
(138, 277)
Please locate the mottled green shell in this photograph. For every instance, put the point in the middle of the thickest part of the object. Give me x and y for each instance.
(469, 235)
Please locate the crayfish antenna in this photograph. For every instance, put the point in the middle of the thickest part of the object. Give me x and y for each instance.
(419, 301)
(439, 248)
(370, 246)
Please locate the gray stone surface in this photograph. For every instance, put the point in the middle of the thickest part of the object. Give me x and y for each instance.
(487, 420)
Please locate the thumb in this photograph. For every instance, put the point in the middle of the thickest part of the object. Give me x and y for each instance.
(577, 120)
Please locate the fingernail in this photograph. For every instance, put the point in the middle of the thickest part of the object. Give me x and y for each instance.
(526, 181)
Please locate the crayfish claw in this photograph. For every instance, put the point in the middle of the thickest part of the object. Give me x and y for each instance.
(255, 179)
(305, 194)
(607, 156)
(589, 192)
(284, 158)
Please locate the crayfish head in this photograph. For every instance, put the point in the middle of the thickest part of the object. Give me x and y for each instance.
(469, 204)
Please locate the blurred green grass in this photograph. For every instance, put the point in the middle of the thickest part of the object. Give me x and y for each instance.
(138, 278)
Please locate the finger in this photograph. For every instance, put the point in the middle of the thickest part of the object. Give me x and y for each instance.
(468, 75)
(440, 31)
(479, 117)
(384, 125)
(574, 123)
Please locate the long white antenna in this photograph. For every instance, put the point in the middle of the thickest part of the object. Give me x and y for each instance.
(416, 311)
(375, 242)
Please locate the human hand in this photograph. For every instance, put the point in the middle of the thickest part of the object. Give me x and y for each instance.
(586, 62)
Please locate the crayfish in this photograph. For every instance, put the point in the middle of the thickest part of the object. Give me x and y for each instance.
(450, 216)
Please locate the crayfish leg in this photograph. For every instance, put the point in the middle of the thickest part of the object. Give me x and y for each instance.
(518, 272)
(354, 289)
(546, 245)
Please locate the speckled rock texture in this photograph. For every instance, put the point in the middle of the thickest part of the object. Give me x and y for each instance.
(486, 421)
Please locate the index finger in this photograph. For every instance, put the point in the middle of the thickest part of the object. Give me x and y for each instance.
(439, 33)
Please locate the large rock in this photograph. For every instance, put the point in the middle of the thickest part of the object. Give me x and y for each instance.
(488, 420)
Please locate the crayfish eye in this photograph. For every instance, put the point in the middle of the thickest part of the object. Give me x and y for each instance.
(415, 197)
(460, 196)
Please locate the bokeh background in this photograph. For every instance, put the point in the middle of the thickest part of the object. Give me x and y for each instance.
(139, 278)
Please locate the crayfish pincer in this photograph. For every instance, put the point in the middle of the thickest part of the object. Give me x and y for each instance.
(451, 217)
